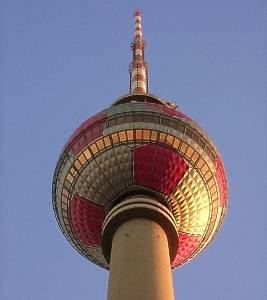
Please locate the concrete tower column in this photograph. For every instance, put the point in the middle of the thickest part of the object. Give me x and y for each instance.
(140, 238)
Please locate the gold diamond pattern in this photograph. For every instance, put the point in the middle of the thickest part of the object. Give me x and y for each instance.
(192, 198)
(89, 183)
(106, 176)
(124, 159)
(116, 164)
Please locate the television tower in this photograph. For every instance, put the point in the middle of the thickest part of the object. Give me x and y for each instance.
(139, 188)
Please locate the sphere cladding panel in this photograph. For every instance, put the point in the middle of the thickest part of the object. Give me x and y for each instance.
(87, 218)
(141, 145)
(157, 167)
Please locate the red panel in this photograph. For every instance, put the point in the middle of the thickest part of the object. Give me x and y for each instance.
(169, 111)
(87, 218)
(91, 129)
(187, 245)
(158, 168)
(221, 181)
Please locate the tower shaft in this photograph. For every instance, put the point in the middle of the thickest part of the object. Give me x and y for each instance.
(138, 67)
(139, 240)
(140, 262)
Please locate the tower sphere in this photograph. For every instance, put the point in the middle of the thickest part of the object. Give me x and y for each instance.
(139, 145)
(140, 158)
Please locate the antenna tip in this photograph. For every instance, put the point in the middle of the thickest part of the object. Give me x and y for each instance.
(138, 13)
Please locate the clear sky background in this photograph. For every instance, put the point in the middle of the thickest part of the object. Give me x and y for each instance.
(63, 61)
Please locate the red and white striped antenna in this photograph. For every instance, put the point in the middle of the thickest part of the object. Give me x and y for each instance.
(138, 67)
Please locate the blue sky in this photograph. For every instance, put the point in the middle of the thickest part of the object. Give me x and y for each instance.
(63, 61)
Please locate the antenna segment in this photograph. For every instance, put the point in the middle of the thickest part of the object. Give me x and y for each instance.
(138, 67)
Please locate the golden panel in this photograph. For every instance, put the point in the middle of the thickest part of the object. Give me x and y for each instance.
(122, 136)
(183, 147)
(100, 144)
(200, 163)
(154, 135)
(209, 164)
(70, 178)
(65, 192)
(116, 163)
(208, 175)
(195, 156)
(85, 189)
(214, 227)
(129, 135)
(176, 143)
(139, 134)
(162, 137)
(93, 148)
(73, 172)
(93, 185)
(215, 219)
(82, 159)
(106, 176)
(115, 138)
(107, 141)
(169, 139)
(77, 165)
(214, 197)
(146, 134)
(124, 160)
(64, 199)
(87, 154)
(175, 209)
(193, 200)
(189, 152)
(211, 183)
(213, 189)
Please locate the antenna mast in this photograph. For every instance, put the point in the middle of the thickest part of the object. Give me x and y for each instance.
(138, 67)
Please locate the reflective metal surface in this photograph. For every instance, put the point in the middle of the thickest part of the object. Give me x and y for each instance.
(140, 145)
